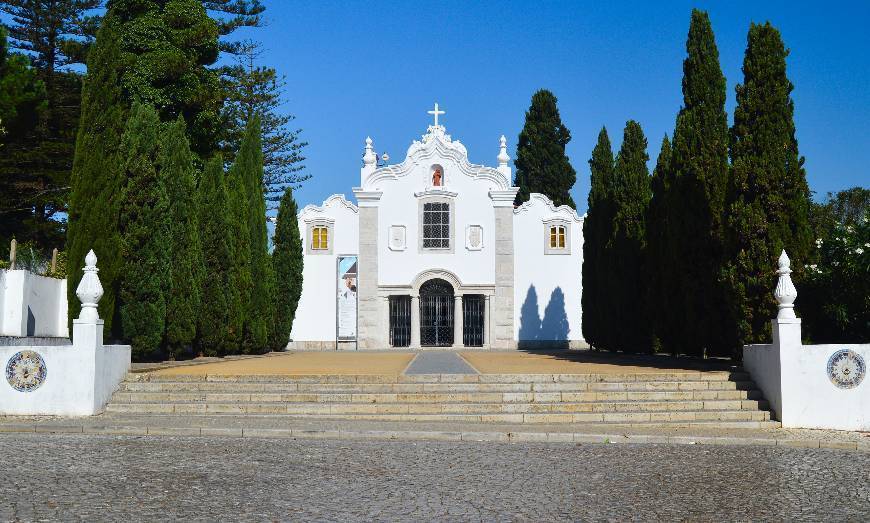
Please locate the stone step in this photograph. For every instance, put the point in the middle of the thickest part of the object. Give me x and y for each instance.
(550, 417)
(706, 376)
(409, 388)
(438, 408)
(434, 397)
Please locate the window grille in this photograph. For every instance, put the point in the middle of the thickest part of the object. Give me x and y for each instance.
(400, 321)
(436, 225)
(473, 320)
(319, 238)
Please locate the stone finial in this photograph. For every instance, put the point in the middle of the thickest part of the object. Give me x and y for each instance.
(90, 290)
(785, 292)
(13, 247)
(503, 157)
(369, 157)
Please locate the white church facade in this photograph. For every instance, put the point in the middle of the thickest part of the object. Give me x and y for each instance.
(434, 254)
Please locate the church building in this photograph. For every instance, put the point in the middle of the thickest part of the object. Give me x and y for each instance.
(434, 253)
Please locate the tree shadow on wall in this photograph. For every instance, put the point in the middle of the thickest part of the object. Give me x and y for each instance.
(554, 326)
(552, 331)
(530, 322)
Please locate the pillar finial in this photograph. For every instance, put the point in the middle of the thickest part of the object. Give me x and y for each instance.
(785, 292)
(369, 157)
(90, 290)
(503, 157)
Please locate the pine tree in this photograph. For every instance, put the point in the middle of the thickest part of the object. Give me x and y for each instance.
(700, 165)
(287, 261)
(219, 318)
(247, 171)
(251, 89)
(631, 201)
(542, 166)
(597, 228)
(96, 179)
(55, 35)
(185, 251)
(768, 196)
(660, 255)
(145, 229)
(22, 101)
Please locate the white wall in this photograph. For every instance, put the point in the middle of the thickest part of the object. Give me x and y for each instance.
(762, 363)
(315, 315)
(32, 305)
(471, 206)
(547, 287)
(794, 379)
(79, 381)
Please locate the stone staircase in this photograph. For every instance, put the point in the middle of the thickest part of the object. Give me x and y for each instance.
(719, 399)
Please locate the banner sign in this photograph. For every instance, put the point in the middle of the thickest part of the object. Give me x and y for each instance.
(347, 302)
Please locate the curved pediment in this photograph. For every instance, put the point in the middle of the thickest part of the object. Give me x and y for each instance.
(436, 145)
(334, 201)
(562, 211)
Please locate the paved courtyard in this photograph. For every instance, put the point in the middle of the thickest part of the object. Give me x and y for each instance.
(63, 477)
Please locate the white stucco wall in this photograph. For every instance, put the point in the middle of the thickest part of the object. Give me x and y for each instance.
(762, 363)
(400, 206)
(79, 381)
(32, 305)
(315, 314)
(547, 287)
(794, 379)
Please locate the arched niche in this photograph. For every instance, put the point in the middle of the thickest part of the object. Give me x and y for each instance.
(437, 176)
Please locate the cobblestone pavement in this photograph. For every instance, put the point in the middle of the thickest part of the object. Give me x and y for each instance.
(62, 477)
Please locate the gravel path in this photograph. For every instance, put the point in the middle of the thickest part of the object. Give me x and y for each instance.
(62, 477)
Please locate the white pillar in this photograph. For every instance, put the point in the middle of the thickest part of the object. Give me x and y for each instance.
(457, 321)
(415, 321)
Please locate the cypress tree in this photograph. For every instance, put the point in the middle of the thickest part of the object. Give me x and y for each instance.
(700, 166)
(287, 263)
(247, 170)
(145, 240)
(185, 252)
(156, 53)
(219, 318)
(96, 179)
(768, 196)
(597, 227)
(631, 200)
(542, 165)
(240, 246)
(660, 254)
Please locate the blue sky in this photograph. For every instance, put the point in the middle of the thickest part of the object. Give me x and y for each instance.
(374, 68)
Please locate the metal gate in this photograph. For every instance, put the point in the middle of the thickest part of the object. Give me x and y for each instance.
(473, 320)
(400, 321)
(436, 314)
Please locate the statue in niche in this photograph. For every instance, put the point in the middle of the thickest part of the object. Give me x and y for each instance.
(436, 177)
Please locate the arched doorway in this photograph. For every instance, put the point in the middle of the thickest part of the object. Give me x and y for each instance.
(436, 313)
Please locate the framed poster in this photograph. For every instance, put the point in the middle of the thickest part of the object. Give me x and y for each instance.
(346, 306)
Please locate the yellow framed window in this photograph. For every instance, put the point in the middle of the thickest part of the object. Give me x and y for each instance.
(557, 237)
(319, 238)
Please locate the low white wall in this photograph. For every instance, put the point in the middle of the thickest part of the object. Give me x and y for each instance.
(79, 380)
(794, 379)
(762, 363)
(811, 400)
(32, 305)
